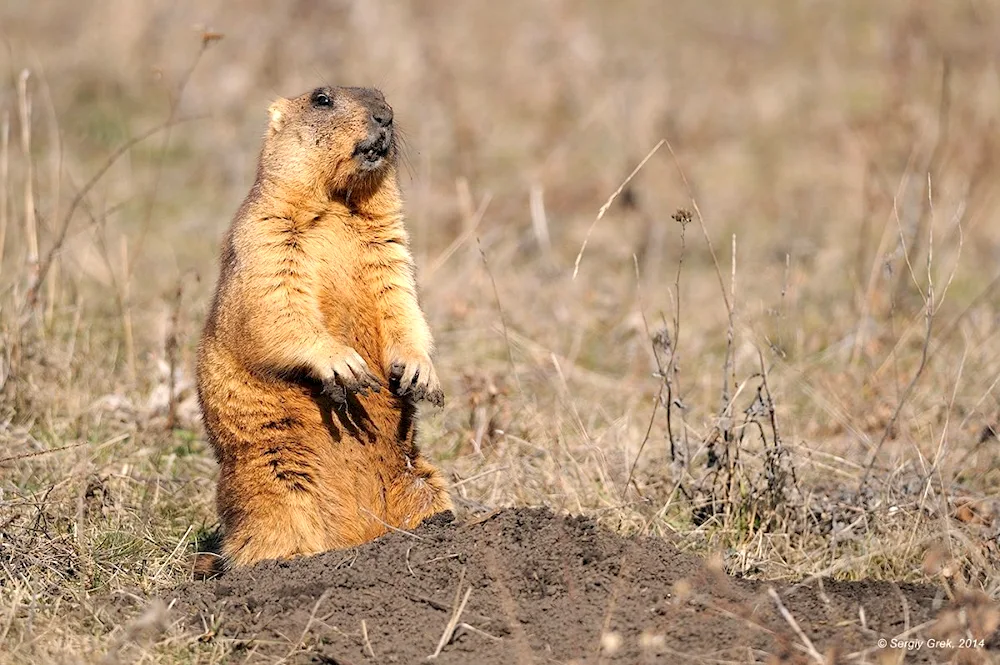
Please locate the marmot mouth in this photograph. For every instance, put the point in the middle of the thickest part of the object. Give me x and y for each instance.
(373, 150)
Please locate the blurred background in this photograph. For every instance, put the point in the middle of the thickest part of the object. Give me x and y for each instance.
(846, 151)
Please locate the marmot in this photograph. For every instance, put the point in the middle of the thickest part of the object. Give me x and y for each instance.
(315, 349)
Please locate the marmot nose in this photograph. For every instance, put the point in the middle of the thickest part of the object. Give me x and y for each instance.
(383, 116)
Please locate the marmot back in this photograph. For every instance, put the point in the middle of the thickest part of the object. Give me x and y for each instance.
(315, 350)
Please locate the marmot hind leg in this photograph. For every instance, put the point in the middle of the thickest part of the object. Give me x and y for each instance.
(417, 495)
(281, 531)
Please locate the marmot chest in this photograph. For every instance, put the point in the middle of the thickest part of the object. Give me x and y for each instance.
(345, 284)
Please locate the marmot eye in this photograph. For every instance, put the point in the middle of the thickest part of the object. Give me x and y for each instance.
(320, 98)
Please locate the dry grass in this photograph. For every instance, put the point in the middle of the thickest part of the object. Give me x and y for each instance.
(780, 344)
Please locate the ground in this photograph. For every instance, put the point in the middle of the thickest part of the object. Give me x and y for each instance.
(720, 277)
(525, 585)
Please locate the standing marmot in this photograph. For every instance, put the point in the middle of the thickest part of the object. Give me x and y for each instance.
(315, 312)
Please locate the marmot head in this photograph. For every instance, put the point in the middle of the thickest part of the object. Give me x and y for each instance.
(337, 142)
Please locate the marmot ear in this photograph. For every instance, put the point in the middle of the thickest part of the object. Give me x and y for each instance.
(276, 115)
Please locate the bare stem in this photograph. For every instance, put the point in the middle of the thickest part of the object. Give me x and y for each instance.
(30, 223)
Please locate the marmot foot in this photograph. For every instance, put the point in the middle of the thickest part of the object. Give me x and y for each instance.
(350, 375)
(415, 378)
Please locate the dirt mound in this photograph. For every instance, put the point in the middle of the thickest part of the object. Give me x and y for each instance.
(520, 586)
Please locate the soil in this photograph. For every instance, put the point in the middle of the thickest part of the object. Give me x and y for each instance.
(529, 586)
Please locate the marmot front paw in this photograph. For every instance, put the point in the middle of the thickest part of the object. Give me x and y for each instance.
(350, 375)
(415, 378)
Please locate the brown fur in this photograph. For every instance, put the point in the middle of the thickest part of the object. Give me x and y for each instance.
(316, 350)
